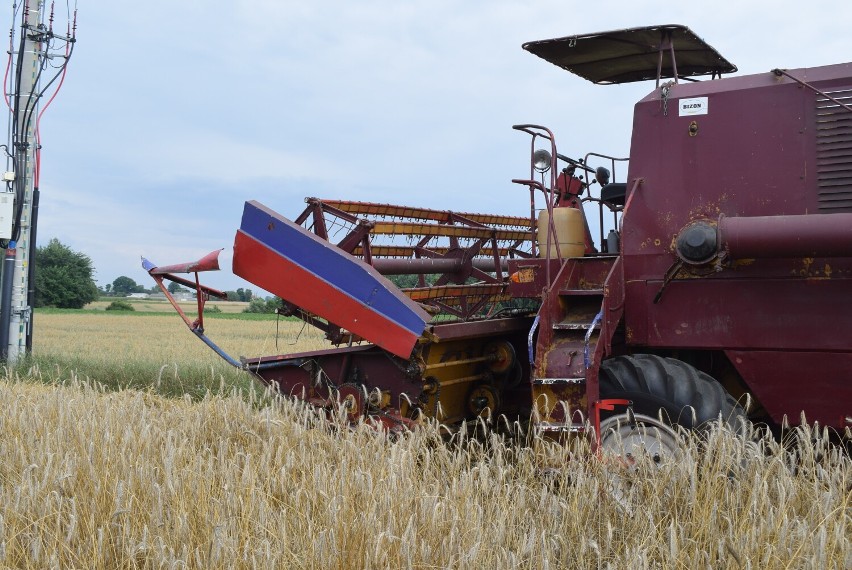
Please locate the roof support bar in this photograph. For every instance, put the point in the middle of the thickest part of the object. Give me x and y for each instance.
(666, 44)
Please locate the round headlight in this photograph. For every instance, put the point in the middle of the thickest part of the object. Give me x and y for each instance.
(542, 160)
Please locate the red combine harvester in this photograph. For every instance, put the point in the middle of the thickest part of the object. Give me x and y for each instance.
(726, 270)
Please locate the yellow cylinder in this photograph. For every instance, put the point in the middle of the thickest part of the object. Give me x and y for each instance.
(570, 233)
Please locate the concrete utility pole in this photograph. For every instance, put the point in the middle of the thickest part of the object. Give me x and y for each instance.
(17, 226)
(15, 311)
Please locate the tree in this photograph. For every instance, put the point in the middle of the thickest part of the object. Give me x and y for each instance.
(174, 287)
(268, 305)
(63, 277)
(256, 305)
(244, 295)
(125, 286)
(120, 305)
(274, 303)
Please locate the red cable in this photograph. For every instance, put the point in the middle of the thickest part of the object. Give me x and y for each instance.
(6, 76)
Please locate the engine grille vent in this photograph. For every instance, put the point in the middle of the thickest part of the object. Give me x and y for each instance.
(834, 152)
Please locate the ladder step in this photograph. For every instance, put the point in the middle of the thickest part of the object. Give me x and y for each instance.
(552, 381)
(573, 326)
(560, 427)
(580, 292)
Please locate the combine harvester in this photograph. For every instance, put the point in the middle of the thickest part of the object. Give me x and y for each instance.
(727, 269)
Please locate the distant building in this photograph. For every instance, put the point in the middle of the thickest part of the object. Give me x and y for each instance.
(183, 296)
(138, 296)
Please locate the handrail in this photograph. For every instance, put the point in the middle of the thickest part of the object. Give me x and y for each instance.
(780, 72)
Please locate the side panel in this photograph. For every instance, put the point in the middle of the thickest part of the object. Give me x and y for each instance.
(771, 314)
(789, 383)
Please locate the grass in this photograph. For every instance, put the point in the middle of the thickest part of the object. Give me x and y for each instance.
(129, 479)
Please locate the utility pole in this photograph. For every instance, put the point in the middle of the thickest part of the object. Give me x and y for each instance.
(17, 229)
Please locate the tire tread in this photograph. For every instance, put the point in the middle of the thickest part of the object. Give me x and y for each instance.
(675, 383)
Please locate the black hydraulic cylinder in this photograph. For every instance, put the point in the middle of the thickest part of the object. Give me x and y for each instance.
(31, 265)
(6, 300)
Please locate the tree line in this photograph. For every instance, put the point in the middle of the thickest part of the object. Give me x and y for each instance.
(123, 286)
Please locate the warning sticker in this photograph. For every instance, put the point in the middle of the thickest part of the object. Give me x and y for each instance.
(694, 106)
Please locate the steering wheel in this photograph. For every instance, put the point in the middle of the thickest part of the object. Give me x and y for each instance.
(577, 163)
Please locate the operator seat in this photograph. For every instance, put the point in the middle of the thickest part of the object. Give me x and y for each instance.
(613, 194)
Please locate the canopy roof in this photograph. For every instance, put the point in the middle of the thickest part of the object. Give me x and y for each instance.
(634, 54)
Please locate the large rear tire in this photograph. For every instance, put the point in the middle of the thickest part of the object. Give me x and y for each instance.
(665, 393)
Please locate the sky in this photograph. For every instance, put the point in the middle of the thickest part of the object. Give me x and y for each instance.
(173, 114)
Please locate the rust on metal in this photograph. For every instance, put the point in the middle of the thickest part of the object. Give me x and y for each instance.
(412, 251)
(446, 230)
(447, 291)
(368, 208)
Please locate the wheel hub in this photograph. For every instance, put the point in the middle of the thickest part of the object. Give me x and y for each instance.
(351, 398)
(637, 437)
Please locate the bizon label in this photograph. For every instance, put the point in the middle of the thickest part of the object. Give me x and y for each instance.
(693, 106)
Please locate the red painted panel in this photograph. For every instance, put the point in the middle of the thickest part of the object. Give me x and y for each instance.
(789, 383)
(265, 268)
(209, 262)
(782, 314)
(375, 370)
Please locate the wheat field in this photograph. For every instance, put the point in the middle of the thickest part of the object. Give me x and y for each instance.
(163, 306)
(165, 339)
(140, 350)
(128, 479)
(92, 477)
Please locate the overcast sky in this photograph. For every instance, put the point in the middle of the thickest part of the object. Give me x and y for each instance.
(175, 113)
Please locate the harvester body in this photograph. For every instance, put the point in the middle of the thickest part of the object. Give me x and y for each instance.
(768, 165)
(727, 269)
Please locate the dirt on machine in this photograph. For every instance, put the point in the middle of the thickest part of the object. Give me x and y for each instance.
(631, 295)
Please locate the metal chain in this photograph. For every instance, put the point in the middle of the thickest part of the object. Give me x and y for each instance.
(664, 94)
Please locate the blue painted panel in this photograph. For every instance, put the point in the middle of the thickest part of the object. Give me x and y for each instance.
(343, 271)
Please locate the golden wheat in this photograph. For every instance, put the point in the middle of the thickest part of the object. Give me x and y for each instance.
(127, 479)
(165, 339)
(163, 306)
(122, 350)
(94, 479)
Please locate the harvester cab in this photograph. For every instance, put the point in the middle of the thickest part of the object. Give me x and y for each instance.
(655, 53)
(686, 289)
